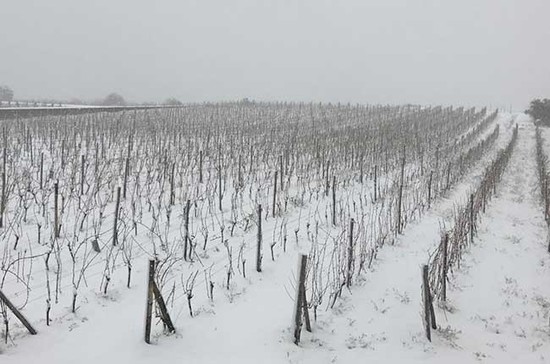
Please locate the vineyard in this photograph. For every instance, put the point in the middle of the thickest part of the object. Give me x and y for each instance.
(283, 232)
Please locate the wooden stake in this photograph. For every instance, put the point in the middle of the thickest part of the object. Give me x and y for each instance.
(172, 186)
(444, 271)
(115, 225)
(126, 173)
(299, 298)
(41, 170)
(350, 254)
(200, 166)
(17, 314)
(259, 241)
(305, 309)
(149, 307)
(82, 165)
(220, 194)
(186, 242)
(334, 200)
(429, 313)
(400, 195)
(162, 306)
(56, 210)
(375, 182)
(275, 193)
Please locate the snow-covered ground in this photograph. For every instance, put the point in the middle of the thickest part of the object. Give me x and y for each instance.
(498, 309)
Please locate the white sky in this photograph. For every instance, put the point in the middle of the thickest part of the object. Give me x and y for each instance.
(461, 52)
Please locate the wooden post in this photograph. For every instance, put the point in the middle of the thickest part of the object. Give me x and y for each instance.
(239, 172)
(429, 314)
(281, 173)
(126, 173)
(400, 195)
(327, 189)
(82, 166)
(56, 210)
(62, 154)
(115, 225)
(444, 271)
(426, 300)
(334, 200)
(259, 241)
(186, 241)
(127, 161)
(172, 187)
(275, 193)
(375, 182)
(200, 166)
(17, 314)
(220, 195)
(398, 215)
(305, 309)
(149, 307)
(299, 298)
(350, 254)
(41, 170)
(162, 307)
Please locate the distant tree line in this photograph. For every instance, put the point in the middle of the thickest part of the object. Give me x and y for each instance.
(6, 93)
(173, 102)
(540, 111)
(112, 99)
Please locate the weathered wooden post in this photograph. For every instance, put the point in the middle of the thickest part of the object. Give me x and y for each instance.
(126, 173)
(200, 166)
(275, 193)
(149, 307)
(115, 224)
(172, 185)
(445, 242)
(220, 195)
(281, 173)
(400, 196)
(300, 295)
(56, 210)
(350, 254)
(375, 183)
(82, 171)
(41, 170)
(17, 313)
(334, 200)
(186, 241)
(259, 241)
(429, 314)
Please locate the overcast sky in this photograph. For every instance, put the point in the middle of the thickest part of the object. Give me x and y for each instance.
(460, 52)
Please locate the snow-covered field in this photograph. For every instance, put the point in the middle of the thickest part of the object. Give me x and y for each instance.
(498, 306)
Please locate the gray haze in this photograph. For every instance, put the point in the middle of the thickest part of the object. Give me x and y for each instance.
(469, 52)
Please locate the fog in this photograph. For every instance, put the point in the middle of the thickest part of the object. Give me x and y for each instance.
(468, 52)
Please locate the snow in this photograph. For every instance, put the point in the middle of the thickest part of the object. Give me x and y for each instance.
(498, 309)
